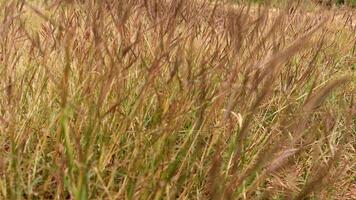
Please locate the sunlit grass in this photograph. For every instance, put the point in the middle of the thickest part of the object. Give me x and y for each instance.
(176, 100)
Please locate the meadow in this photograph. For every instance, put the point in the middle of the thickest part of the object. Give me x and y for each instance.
(183, 99)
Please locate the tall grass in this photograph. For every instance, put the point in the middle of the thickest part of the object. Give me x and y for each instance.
(159, 99)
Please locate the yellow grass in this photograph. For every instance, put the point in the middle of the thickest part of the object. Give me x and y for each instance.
(186, 99)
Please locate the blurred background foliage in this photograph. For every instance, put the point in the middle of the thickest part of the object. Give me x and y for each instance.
(322, 2)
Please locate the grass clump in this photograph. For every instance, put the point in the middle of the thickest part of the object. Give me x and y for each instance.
(175, 100)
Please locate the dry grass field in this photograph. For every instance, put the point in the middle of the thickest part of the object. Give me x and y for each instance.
(183, 99)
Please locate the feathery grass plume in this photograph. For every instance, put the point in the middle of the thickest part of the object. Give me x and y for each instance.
(313, 102)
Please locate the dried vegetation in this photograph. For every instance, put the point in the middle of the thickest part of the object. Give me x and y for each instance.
(183, 99)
